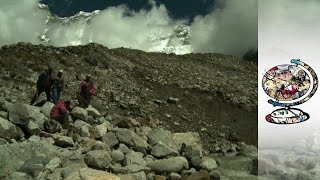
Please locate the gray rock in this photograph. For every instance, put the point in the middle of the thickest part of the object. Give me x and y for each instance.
(131, 139)
(53, 164)
(202, 174)
(82, 128)
(134, 158)
(132, 168)
(63, 141)
(123, 148)
(144, 130)
(18, 114)
(34, 166)
(91, 174)
(93, 112)
(36, 115)
(71, 168)
(117, 156)
(189, 139)
(80, 113)
(100, 130)
(174, 176)
(161, 150)
(236, 163)
(4, 114)
(208, 163)
(3, 141)
(100, 146)
(304, 176)
(98, 159)
(192, 151)
(149, 158)
(189, 171)
(196, 161)
(175, 164)
(151, 176)
(33, 128)
(160, 135)
(56, 175)
(138, 176)
(46, 109)
(215, 174)
(110, 139)
(19, 176)
(35, 138)
(9, 131)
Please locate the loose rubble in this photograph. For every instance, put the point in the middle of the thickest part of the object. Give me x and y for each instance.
(124, 153)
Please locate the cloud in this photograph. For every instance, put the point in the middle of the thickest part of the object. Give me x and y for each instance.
(229, 30)
(21, 20)
(290, 24)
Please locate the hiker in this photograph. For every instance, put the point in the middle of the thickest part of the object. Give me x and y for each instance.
(43, 85)
(60, 113)
(57, 87)
(86, 91)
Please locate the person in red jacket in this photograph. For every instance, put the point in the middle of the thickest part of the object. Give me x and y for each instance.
(60, 113)
(85, 92)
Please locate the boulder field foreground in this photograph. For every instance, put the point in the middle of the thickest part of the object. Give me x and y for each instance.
(155, 116)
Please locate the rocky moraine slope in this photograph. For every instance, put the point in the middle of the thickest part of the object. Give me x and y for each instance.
(151, 109)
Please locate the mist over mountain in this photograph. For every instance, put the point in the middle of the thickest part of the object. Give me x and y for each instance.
(229, 28)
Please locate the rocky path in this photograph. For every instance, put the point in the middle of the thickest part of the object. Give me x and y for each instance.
(100, 147)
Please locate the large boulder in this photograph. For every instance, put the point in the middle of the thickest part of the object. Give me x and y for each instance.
(236, 163)
(161, 150)
(9, 131)
(82, 128)
(18, 114)
(98, 159)
(33, 128)
(208, 163)
(91, 174)
(63, 141)
(117, 156)
(134, 158)
(14, 155)
(110, 139)
(34, 166)
(160, 135)
(46, 109)
(100, 130)
(131, 139)
(36, 115)
(175, 164)
(189, 139)
(93, 112)
(80, 113)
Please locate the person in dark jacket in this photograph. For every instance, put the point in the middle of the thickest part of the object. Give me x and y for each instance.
(57, 87)
(44, 83)
(86, 91)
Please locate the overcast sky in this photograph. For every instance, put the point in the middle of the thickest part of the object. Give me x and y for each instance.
(225, 26)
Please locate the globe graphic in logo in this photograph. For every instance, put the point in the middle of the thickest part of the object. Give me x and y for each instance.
(289, 85)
